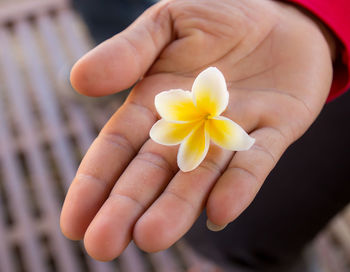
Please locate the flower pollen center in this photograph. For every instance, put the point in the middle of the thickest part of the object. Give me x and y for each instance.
(207, 116)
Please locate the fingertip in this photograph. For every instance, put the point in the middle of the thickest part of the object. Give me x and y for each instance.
(77, 78)
(69, 232)
(86, 77)
(218, 213)
(102, 241)
(231, 195)
(150, 234)
(107, 69)
(164, 223)
(99, 249)
(110, 231)
(77, 211)
(68, 227)
(213, 227)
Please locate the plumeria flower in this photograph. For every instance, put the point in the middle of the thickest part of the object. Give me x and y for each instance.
(192, 119)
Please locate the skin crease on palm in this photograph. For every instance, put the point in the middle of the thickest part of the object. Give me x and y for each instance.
(277, 62)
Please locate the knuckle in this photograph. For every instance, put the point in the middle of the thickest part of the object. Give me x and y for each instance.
(118, 140)
(156, 160)
(85, 177)
(246, 172)
(181, 198)
(212, 166)
(144, 110)
(274, 141)
(119, 195)
(265, 151)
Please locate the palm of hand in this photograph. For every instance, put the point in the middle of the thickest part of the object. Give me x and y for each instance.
(129, 187)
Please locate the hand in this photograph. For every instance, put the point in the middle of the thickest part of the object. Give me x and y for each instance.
(278, 66)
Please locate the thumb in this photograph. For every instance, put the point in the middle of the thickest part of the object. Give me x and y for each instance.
(119, 62)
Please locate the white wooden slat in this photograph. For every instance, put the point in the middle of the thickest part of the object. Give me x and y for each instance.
(46, 102)
(11, 11)
(78, 47)
(13, 181)
(131, 260)
(39, 170)
(193, 261)
(6, 263)
(10, 177)
(327, 256)
(164, 261)
(341, 230)
(59, 60)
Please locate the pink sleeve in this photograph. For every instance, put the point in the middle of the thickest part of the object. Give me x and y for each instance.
(336, 15)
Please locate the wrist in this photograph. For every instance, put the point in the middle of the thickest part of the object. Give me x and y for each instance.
(327, 34)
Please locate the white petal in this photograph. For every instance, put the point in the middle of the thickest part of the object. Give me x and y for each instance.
(193, 149)
(176, 105)
(210, 92)
(228, 134)
(169, 133)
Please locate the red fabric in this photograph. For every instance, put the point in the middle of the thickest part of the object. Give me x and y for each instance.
(336, 15)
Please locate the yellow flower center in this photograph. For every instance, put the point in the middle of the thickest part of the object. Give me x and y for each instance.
(207, 116)
(192, 119)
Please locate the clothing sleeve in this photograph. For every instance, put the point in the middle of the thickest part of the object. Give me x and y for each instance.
(336, 15)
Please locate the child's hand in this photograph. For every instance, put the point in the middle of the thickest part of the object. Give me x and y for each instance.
(278, 66)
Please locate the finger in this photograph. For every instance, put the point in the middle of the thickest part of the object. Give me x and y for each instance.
(105, 160)
(116, 145)
(119, 62)
(241, 181)
(144, 179)
(180, 204)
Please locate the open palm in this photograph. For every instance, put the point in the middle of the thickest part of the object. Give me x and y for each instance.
(278, 68)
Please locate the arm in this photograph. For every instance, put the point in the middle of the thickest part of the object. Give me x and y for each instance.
(335, 15)
(279, 68)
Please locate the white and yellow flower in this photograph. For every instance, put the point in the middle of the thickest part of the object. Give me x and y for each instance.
(192, 119)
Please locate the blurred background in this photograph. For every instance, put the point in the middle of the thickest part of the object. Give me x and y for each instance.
(45, 129)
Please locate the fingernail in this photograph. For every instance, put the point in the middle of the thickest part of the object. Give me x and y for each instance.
(211, 226)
